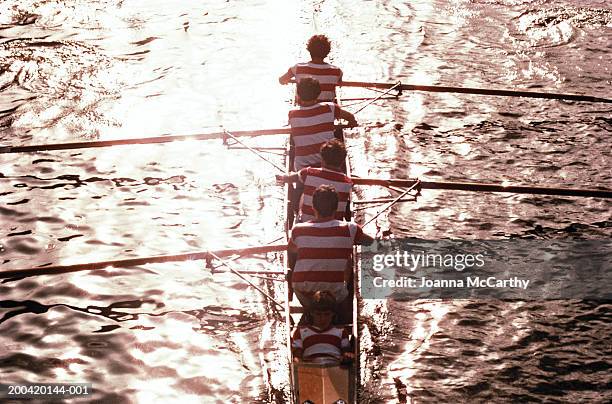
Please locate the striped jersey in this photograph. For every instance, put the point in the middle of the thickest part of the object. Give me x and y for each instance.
(312, 177)
(312, 343)
(324, 250)
(329, 76)
(311, 127)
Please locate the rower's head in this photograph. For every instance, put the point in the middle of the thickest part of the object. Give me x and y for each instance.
(333, 154)
(325, 201)
(318, 46)
(322, 309)
(308, 90)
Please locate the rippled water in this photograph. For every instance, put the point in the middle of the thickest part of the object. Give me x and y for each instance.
(84, 70)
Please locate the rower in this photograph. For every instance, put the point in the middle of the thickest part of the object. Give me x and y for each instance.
(328, 75)
(333, 157)
(323, 248)
(312, 123)
(320, 341)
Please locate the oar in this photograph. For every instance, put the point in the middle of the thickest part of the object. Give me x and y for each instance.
(258, 154)
(141, 140)
(235, 257)
(481, 91)
(476, 187)
(132, 262)
(237, 273)
(393, 97)
(393, 202)
(379, 97)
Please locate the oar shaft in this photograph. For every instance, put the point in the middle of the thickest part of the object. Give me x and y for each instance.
(396, 86)
(476, 187)
(237, 273)
(258, 154)
(132, 262)
(391, 97)
(379, 201)
(466, 186)
(142, 140)
(480, 91)
(393, 202)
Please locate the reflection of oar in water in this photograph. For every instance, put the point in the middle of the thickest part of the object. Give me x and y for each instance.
(132, 262)
(478, 91)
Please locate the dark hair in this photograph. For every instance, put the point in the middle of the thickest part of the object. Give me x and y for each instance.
(318, 46)
(323, 301)
(308, 89)
(325, 200)
(333, 153)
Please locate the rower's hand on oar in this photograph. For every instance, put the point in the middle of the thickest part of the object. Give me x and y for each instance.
(281, 179)
(285, 78)
(348, 357)
(347, 116)
(352, 123)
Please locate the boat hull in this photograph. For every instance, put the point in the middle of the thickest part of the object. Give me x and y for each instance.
(320, 383)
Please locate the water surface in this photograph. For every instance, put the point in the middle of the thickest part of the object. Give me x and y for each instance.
(75, 71)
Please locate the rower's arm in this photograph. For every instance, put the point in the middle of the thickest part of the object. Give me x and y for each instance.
(291, 254)
(365, 239)
(286, 78)
(347, 116)
(360, 237)
(297, 355)
(297, 347)
(287, 179)
(348, 273)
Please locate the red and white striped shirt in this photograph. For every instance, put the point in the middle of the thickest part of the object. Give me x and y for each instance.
(324, 250)
(312, 177)
(329, 76)
(311, 127)
(312, 343)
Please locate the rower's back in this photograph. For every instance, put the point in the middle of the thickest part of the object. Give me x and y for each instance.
(328, 75)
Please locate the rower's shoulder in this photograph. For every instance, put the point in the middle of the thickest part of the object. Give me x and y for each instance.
(330, 174)
(333, 67)
(323, 65)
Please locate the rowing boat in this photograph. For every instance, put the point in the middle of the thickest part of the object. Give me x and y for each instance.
(319, 383)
